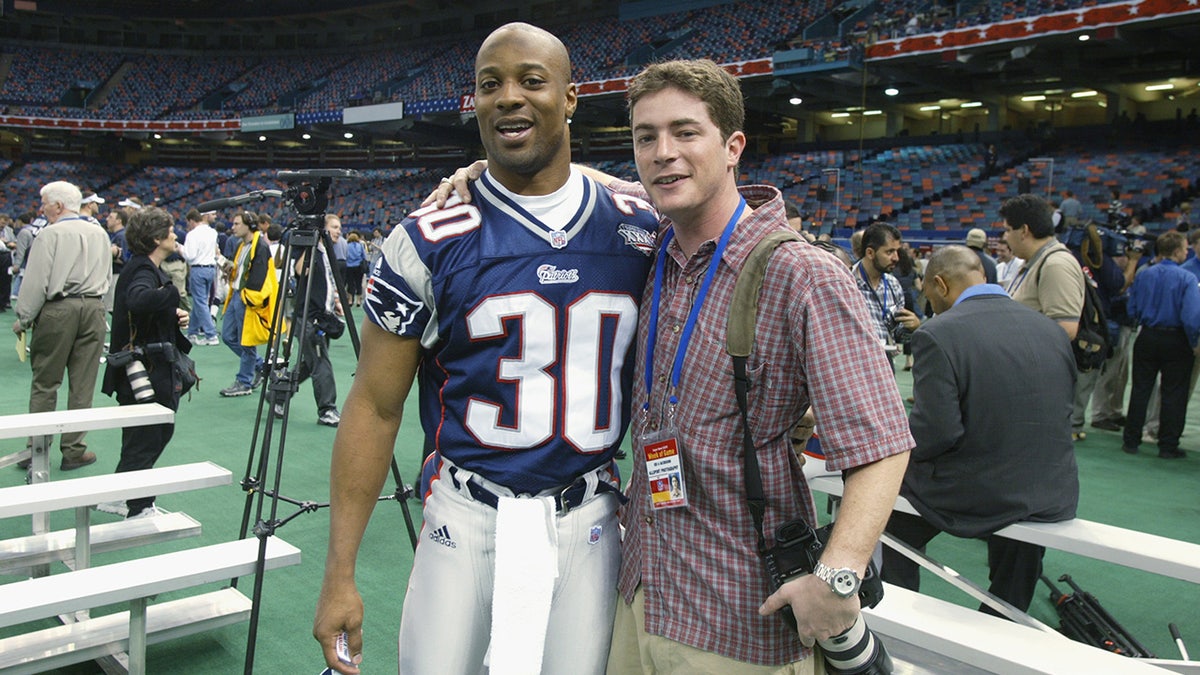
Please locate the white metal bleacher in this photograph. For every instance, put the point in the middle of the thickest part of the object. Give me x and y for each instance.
(71, 595)
(81, 493)
(134, 582)
(1007, 647)
(1139, 550)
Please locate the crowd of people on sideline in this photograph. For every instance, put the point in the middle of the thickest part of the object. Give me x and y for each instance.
(140, 291)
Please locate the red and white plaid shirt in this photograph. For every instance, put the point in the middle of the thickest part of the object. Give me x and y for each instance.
(698, 566)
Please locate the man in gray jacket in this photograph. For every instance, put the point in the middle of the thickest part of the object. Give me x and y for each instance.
(993, 383)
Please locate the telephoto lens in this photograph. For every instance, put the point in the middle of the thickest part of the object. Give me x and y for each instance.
(139, 381)
(856, 652)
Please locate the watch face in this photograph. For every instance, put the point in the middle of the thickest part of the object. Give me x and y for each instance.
(845, 583)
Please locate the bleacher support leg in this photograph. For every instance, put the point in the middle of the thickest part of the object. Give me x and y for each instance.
(83, 538)
(137, 637)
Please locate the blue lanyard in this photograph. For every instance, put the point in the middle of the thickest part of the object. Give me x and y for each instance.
(690, 324)
(883, 309)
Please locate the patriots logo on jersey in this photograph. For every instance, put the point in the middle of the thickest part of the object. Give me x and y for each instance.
(549, 274)
(392, 308)
(641, 240)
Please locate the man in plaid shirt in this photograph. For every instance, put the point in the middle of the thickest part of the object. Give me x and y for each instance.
(695, 596)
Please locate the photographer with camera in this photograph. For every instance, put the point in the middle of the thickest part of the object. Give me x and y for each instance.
(697, 594)
(146, 323)
(982, 463)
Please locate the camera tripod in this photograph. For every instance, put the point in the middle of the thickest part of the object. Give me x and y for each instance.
(281, 377)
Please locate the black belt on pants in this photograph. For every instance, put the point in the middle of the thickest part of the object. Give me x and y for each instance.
(564, 500)
(76, 296)
(203, 265)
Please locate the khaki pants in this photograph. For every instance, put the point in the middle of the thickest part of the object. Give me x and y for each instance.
(177, 270)
(636, 652)
(69, 336)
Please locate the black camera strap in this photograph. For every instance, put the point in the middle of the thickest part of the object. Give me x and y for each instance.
(739, 341)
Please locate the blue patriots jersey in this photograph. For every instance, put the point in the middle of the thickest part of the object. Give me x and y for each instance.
(527, 331)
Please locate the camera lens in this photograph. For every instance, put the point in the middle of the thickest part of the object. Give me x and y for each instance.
(139, 381)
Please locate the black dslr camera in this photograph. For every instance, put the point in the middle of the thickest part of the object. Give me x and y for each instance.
(796, 551)
(855, 651)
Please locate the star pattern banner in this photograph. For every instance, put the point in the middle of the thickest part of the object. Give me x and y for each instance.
(1072, 21)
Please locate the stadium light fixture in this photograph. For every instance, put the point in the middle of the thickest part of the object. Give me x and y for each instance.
(927, 108)
(841, 114)
(1035, 97)
(972, 104)
(347, 135)
(872, 112)
(1085, 37)
(262, 139)
(891, 91)
(1159, 87)
(1084, 94)
(795, 100)
(158, 137)
(306, 136)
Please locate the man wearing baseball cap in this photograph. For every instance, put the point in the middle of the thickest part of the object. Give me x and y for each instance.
(977, 241)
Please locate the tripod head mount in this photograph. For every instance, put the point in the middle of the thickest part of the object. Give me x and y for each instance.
(308, 192)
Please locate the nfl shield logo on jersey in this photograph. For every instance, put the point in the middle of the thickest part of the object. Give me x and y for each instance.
(594, 535)
(558, 239)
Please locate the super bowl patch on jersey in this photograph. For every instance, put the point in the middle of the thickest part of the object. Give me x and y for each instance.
(639, 239)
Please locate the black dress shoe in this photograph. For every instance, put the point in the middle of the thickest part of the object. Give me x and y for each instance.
(1172, 454)
(1107, 425)
(1129, 450)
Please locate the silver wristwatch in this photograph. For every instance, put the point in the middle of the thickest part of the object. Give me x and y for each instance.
(844, 582)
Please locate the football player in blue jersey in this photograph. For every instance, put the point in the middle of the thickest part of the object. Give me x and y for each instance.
(515, 313)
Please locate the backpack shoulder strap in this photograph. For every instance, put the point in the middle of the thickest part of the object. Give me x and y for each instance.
(739, 341)
(743, 311)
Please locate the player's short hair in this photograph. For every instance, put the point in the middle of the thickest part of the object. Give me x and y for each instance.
(146, 228)
(193, 216)
(712, 84)
(62, 192)
(1029, 210)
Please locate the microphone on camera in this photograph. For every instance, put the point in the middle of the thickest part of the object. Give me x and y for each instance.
(224, 203)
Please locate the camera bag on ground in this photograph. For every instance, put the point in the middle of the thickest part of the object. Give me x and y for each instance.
(797, 546)
(1092, 343)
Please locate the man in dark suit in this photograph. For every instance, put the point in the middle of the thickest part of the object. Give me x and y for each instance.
(992, 386)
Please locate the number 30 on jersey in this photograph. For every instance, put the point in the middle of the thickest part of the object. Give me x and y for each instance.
(576, 395)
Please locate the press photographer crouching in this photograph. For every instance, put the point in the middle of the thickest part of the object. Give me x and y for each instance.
(148, 344)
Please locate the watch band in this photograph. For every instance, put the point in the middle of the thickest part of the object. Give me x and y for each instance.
(836, 578)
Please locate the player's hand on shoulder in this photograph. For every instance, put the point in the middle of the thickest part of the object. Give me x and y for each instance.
(456, 183)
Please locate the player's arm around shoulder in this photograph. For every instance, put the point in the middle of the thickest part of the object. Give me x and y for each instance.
(362, 452)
